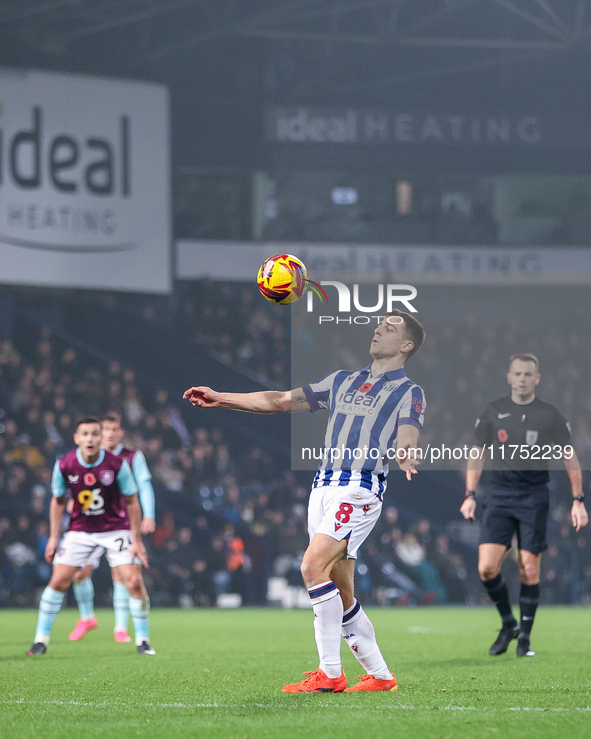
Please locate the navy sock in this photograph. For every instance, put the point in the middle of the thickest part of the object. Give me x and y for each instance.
(499, 594)
(529, 597)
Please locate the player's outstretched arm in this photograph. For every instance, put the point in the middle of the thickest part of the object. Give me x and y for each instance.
(476, 462)
(579, 515)
(407, 451)
(268, 401)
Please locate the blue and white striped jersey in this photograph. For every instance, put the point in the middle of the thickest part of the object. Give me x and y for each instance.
(365, 412)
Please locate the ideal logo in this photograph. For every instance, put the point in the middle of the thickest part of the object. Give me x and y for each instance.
(357, 403)
(94, 164)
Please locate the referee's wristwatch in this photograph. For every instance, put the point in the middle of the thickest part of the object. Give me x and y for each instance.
(580, 497)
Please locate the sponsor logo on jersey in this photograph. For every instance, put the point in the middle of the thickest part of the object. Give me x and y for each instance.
(504, 415)
(107, 477)
(366, 509)
(531, 437)
(502, 435)
(73, 478)
(89, 479)
(417, 405)
(357, 402)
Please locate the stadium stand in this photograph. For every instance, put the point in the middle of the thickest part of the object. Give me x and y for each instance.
(231, 518)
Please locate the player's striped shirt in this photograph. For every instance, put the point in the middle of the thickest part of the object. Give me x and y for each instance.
(365, 412)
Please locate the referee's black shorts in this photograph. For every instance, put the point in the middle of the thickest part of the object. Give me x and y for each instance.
(500, 523)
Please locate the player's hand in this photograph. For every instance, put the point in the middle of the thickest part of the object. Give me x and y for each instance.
(202, 397)
(148, 526)
(468, 509)
(50, 549)
(139, 550)
(579, 515)
(408, 461)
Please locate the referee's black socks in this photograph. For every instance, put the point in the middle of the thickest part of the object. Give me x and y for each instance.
(529, 597)
(499, 594)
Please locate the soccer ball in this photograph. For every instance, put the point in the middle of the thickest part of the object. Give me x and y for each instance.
(282, 279)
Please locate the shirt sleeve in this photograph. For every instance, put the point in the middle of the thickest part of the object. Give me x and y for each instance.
(318, 393)
(125, 479)
(412, 408)
(483, 430)
(561, 431)
(142, 475)
(58, 484)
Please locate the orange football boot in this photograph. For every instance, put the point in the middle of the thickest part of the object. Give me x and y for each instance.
(317, 682)
(369, 682)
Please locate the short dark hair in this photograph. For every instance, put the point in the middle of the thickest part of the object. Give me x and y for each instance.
(112, 417)
(525, 357)
(412, 328)
(87, 419)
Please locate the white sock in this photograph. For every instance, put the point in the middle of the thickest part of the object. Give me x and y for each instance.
(359, 633)
(328, 617)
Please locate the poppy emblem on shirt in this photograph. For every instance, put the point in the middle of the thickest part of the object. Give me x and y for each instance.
(89, 479)
(502, 435)
(365, 387)
(107, 477)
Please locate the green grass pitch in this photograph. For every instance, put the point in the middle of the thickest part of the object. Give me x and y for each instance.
(219, 674)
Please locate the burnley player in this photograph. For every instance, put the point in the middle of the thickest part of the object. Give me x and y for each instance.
(106, 516)
(372, 412)
(83, 588)
(518, 499)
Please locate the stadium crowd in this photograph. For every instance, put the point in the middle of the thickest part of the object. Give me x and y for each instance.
(227, 520)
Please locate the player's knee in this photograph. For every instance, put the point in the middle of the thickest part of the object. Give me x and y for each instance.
(61, 584)
(306, 568)
(312, 572)
(529, 574)
(134, 585)
(487, 571)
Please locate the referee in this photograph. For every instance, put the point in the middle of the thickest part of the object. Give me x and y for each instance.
(520, 433)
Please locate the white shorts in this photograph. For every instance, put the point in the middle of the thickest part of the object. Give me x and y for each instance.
(79, 548)
(95, 558)
(343, 512)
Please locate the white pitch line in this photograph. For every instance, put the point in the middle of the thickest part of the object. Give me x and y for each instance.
(394, 706)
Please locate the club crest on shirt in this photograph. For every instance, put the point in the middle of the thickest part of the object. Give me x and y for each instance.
(73, 478)
(531, 437)
(89, 479)
(107, 477)
(389, 386)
